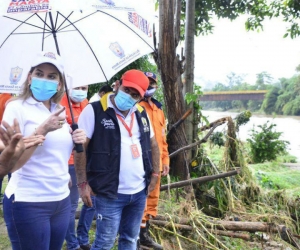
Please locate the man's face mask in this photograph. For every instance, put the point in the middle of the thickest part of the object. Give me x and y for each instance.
(78, 95)
(150, 92)
(124, 101)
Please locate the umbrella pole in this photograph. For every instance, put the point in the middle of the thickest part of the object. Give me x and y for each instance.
(74, 126)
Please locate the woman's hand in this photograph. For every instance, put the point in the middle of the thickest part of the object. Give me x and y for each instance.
(54, 122)
(33, 140)
(79, 136)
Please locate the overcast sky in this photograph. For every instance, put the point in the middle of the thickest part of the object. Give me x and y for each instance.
(231, 49)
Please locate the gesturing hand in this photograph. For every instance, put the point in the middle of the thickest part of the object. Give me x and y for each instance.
(12, 138)
(54, 122)
(33, 140)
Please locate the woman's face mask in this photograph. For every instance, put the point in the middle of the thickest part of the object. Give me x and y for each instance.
(78, 95)
(43, 89)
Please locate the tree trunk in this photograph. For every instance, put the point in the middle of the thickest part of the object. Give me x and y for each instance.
(188, 77)
(170, 68)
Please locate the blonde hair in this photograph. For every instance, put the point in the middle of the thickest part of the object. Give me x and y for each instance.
(26, 91)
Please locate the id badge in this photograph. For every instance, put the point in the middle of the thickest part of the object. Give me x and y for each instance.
(134, 151)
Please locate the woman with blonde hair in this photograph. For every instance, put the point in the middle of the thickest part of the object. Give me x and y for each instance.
(36, 202)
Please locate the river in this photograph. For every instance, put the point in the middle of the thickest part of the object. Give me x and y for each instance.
(288, 125)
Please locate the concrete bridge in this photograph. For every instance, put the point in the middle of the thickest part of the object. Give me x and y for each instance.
(233, 95)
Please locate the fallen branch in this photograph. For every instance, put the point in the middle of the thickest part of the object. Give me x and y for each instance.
(203, 140)
(219, 121)
(190, 228)
(242, 226)
(199, 180)
(168, 224)
(242, 236)
(176, 124)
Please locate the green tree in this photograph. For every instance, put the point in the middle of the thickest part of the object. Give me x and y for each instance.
(263, 80)
(287, 101)
(172, 22)
(270, 100)
(265, 144)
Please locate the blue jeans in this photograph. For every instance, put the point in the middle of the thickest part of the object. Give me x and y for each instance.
(85, 221)
(71, 239)
(36, 225)
(1, 180)
(123, 215)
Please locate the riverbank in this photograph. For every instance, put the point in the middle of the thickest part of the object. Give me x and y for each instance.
(288, 125)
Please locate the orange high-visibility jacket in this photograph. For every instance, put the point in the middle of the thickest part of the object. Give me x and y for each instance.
(158, 122)
(77, 109)
(3, 99)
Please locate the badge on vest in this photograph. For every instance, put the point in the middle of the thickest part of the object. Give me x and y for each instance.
(108, 124)
(145, 124)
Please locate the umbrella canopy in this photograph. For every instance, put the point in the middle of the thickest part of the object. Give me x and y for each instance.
(96, 38)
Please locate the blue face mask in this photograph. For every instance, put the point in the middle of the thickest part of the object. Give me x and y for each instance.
(124, 101)
(149, 92)
(78, 95)
(43, 89)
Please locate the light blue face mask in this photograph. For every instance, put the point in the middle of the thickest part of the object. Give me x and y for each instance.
(78, 95)
(124, 101)
(43, 89)
(149, 92)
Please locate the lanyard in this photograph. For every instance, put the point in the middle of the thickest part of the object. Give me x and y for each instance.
(125, 125)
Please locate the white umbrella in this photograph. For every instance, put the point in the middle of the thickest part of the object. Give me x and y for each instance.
(95, 43)
(96, 38)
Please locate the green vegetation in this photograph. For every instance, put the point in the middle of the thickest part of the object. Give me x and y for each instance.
(265, 145)
(276, 176)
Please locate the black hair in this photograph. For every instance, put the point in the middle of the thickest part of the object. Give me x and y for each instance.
(105, 89)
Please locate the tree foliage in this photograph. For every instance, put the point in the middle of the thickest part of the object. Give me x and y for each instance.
(257, 10)
(265, 144)
(283, 98)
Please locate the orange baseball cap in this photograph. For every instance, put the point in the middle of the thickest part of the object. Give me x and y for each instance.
(135, 79)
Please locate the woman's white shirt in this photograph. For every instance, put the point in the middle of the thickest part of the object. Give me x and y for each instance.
(44, 177)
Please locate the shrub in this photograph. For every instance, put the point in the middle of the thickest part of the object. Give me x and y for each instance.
(265, 145)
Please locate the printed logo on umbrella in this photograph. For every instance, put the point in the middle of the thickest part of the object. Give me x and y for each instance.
(28, 6)
(140, 22)
(117, 49)
(15, 75)
(108, 2)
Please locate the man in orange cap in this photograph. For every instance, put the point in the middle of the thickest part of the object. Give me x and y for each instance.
(158, 121)
(121, 162)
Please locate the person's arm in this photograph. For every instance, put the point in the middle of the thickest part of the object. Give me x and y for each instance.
(86, 121)
(15, 146)
(51, 124)
(155, 164)
(80, 168)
